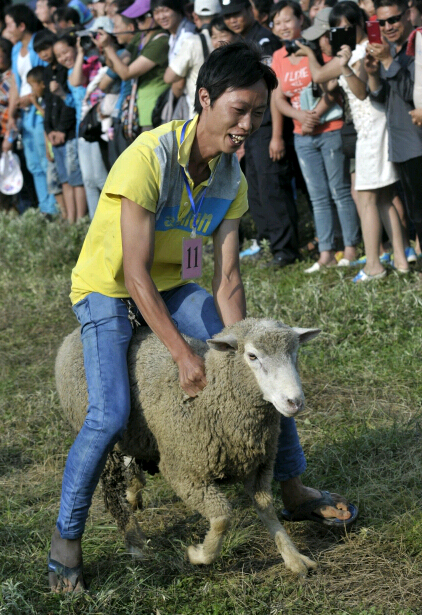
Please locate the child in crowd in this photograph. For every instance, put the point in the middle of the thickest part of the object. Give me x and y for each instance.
(43, 47)
(220, 33)
(65, 18)
(22, 25)
(94, 173)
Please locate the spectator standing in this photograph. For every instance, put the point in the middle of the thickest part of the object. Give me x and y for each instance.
(391, 78)
(375, 176)
(147, 70)
(317, 139)
(94, 172)
(170, 16)
(268, 169)
(194, 51)
(220, 33)
(45, 9)
(97, 8)
(22, 24)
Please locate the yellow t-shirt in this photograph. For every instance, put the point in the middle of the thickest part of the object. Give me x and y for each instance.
(148, 173)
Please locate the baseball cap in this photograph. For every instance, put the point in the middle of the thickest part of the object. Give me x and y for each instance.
(138, 8)
(233, 6)
(321, 25)
(102, 23)
(205, 8)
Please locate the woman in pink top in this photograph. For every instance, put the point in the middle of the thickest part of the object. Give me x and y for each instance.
(317, 143)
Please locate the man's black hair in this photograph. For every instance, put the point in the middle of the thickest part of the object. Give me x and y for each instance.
(20, 13)
(36, 73)
(44, 39)
(263, 6)
(67, 13)
(233, 67)
(6, 47)
(279, 6)
(402, 5)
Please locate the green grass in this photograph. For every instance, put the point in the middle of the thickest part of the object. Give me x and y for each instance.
(362, 434)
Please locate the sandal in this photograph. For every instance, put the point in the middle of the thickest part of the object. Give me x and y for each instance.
(306, 512)
(73, 575)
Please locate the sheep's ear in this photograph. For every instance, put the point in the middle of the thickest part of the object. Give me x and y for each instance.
(306, 334)
(228, 342)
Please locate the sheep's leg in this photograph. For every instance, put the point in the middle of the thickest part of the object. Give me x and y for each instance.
(211, 503)
(258, 486)
(113, 480)
(135, 481)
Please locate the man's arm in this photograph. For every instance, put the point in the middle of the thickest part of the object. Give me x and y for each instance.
(138, 233)
(227, 286)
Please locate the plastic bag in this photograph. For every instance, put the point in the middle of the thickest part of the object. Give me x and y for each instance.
(11, 178)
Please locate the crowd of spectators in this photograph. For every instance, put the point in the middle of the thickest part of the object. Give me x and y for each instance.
(79, 83)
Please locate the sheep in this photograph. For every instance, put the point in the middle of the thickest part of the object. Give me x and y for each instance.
(229, 431)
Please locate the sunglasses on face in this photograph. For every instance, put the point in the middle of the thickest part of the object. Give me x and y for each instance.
(391, 20)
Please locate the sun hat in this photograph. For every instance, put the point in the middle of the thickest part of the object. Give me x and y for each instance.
(206, 8)
(321, 25)
(138, 8)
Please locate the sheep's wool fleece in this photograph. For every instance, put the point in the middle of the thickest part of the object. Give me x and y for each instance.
(225, 432)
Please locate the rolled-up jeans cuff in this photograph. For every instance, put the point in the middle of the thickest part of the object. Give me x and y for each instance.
(293, 472)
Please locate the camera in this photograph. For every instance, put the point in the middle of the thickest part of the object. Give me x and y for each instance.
(291, 46)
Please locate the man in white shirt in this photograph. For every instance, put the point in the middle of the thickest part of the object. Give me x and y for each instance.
(194, 51)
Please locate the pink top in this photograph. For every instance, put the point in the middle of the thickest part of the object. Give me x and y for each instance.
(293, 79)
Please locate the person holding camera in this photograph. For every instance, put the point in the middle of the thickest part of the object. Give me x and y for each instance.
(317, 138)
(375, 176)
(391, 79)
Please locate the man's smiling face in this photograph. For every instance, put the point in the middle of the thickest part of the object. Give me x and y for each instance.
(235, 115)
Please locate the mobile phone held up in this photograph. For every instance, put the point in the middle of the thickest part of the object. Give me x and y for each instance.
(342, 36)
(374, 32)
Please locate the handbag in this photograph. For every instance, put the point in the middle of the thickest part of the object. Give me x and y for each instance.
(130, 116)
(308, 102)
(349, 138)
(90, 126)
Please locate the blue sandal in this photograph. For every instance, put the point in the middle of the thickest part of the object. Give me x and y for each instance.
(306, 512)
(73, 575)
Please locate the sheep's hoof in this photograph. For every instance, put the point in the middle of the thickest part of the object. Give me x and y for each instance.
(135, 552)
(197, 555)
(300, 564)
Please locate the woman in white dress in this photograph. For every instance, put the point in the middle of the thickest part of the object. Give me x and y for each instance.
(375, 174)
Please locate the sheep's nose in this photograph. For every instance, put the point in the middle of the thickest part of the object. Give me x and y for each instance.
(296, 404)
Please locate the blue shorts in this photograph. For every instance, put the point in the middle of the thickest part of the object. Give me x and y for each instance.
(66, 157)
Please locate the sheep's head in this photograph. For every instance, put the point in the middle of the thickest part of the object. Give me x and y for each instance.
(270, 350)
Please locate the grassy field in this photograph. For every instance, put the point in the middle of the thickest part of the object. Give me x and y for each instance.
(361, 433)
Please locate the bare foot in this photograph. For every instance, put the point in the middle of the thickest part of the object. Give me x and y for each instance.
(294, 493)
(65, 565)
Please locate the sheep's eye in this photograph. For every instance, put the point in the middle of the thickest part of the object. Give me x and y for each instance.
(252, 357)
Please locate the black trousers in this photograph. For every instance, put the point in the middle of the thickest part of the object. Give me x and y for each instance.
(270, 195)
(411, 178)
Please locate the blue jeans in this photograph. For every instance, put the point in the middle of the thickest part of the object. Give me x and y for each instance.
(94, 173)
(36, 160)
(106, 333)
(321, 160)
